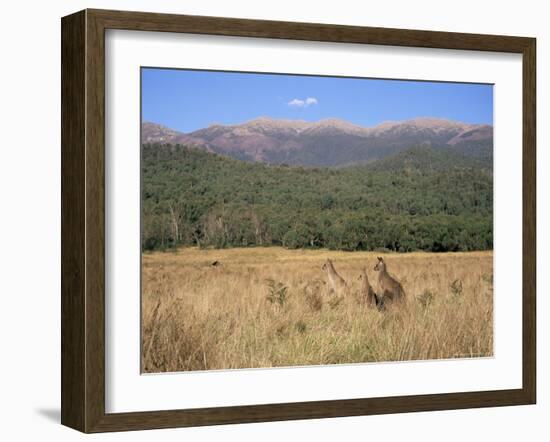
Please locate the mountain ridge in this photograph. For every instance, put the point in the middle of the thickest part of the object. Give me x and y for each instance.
(328, 142)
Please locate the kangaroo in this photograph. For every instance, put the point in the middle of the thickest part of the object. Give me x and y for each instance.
(337, 284)
(390, 287)
(366, 292)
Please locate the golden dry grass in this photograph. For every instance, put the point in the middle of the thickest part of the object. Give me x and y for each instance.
(196, 316)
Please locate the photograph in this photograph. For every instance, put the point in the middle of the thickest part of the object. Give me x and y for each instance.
(292, 220)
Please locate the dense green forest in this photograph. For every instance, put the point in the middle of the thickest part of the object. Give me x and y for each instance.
(419, 199)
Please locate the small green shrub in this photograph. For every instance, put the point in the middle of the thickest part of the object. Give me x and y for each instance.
(456, 288)
(426, 298)
(278, 292)
(301, 327)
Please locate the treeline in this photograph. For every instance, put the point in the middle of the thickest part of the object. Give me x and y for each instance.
(192, 197)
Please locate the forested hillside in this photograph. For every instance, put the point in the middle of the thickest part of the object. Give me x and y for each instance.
(421, 199)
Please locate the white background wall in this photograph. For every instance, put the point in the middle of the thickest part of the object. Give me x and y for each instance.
(30, 221)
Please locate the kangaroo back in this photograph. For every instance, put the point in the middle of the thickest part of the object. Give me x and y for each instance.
(391, 287)
(335, 274)
(367, 294)
(336, 282)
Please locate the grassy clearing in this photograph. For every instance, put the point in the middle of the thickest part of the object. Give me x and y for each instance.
(268, 307)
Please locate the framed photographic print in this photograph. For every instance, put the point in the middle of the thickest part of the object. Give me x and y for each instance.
(268, 221)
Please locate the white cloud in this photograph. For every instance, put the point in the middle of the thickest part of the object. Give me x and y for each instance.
(309, 101)
(296, 103)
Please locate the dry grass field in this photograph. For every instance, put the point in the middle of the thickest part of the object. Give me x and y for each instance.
(268, 307)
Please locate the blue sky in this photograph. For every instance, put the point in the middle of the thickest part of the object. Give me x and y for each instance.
(188, 100)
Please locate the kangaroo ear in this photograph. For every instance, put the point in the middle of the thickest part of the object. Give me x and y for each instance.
(380, 259)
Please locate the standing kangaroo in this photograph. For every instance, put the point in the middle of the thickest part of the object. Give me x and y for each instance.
(366, 292)
(391, 288)
(337, 284)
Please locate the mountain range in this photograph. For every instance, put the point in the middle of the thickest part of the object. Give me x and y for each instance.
(330, 142)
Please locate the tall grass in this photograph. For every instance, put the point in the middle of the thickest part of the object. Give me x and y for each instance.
(268, 307)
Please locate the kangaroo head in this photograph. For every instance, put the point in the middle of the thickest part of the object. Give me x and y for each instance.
(380, 265)
(327, 264)
(363, 275)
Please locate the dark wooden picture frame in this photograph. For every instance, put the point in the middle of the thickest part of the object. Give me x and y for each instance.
(83, 220)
